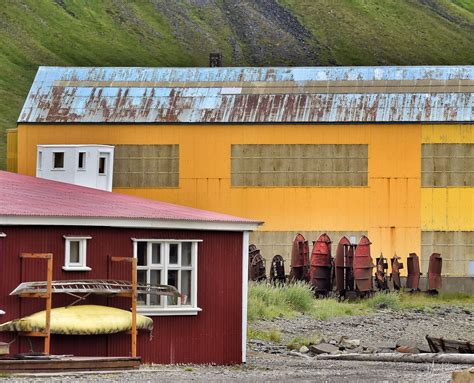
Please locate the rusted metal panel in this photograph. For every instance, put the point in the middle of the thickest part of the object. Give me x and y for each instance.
(344, 266)
(256, 265)
(413, 272)
(213, 336)
(395, 275)
(363, 266)
(381, 266)
(277, 270)
(264, 95)
(321, 265)
(300, 259)
(434, 272)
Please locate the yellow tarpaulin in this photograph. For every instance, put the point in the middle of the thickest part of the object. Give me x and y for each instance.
(80, 320)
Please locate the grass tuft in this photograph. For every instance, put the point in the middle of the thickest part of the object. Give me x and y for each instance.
(272, 335)
(383, 301)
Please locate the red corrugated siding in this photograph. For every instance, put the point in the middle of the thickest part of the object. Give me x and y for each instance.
(213, 336)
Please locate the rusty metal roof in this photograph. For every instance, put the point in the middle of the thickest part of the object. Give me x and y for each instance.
(263, 95)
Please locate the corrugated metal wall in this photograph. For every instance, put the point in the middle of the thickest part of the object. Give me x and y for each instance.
(213, 336)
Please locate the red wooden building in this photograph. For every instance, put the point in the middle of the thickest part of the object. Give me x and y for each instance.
(203, 254)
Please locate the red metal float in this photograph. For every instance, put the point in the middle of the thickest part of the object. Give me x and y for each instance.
(395, 275)
(363, 266)
(343, 264)
(300, 259)
(321, 265)
(434, 272)
(413, 270)
(277, 270)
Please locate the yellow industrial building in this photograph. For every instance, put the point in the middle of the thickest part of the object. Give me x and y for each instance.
(383, 151)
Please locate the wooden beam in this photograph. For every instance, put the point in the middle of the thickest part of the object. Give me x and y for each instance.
(33, 295)
(37, 334)
(36, 255)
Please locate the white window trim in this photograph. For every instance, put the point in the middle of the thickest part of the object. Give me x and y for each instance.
(53, 158)
(178, 310)
(2, 235)
(84, 162)
(82, 265)
(39, 160)
(106, 157)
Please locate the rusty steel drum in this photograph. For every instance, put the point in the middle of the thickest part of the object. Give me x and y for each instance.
(343, 264)
(395, 275)
(434, 272)
(381, 267)
(300, 259)
(413, 272)
(321, 265)
(363, 266)
(277, 270)
(256, 265)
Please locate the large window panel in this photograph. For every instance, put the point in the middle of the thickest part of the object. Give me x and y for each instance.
(299, 165)
(146, 166)
(445, 165)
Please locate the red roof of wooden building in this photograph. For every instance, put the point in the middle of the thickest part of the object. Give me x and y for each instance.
(26, 196)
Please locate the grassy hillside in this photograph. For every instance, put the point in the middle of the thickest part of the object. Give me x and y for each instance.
(261, 32)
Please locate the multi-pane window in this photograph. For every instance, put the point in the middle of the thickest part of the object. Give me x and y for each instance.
(75, 254)
(168, 263)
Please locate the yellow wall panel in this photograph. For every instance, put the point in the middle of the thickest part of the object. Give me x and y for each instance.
(440, 134)
(447, 209)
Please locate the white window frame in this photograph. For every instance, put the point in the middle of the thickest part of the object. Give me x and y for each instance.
(54, 157)
(82, 264)
(164, 309)
(105, 156)
(84, 160)
(39, 164)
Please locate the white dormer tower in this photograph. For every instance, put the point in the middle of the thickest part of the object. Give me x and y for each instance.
(84, 165)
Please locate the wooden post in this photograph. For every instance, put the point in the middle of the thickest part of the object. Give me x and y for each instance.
(47, 340)
(133, 295)
(134, 307)
(47, 296)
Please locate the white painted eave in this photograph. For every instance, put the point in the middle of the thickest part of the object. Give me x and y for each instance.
(128, 223)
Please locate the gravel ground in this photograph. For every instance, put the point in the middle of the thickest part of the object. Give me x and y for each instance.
(382, 328)
(274, 362)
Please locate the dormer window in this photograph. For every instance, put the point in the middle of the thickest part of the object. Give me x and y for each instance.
(58, 160)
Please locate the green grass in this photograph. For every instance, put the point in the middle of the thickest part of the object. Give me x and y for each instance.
(165, 33)
(267, 302)
(272, 335)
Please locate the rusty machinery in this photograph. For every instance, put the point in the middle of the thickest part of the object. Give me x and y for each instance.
(277, 270)
(413, 272)
(381, 267)
(395, 275)
(321, 265)
(434, 273)
(363, 267)
(300, 259)
(256, 265)
(344, 267)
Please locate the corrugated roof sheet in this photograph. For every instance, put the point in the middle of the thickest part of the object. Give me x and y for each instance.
(263, 95)
(36, 197)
